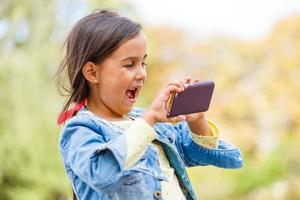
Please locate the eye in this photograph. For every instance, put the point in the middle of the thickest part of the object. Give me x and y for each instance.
(129, 65)
(144, 64)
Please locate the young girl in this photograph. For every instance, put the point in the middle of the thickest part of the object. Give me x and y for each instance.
(111, 150)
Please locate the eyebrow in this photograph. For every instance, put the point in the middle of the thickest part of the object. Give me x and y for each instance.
(133, 57)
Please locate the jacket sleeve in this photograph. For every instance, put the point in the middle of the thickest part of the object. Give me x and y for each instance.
(95, 161)
(207, 141)
(225, 155)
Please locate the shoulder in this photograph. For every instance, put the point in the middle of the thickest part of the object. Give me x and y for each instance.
(80, 119)
(75, 126)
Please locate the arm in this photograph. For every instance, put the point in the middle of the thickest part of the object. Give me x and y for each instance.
(226, 155)
(193, 154)
(199, 124)
(99, 163)
(138, 136)
(95, 161)
(207, 141)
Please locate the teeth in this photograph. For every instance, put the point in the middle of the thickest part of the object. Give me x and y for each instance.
(133, 89)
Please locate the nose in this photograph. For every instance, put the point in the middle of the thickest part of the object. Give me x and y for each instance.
(141, 73)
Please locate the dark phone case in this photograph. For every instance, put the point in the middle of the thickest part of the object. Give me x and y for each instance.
(195, 98)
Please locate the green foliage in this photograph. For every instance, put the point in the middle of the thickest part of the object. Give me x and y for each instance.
(255, 103)
(263, 171)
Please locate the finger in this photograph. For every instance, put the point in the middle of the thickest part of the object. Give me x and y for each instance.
(184, 83)
(173, 88)
(172, 82)
(168, 90)
(197, 79)
(187, 81)
(179, 83)
(167, 83)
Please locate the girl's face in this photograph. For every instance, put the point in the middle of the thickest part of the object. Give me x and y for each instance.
(122, 76)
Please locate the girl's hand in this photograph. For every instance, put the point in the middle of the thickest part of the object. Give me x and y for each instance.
(195, 116)
(157, 111)
(197, 121)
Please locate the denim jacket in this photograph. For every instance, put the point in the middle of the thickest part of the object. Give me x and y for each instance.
(93, 151)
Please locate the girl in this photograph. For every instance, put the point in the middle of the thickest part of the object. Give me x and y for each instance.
(111, 150)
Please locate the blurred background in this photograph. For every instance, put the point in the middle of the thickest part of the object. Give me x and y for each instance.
(251, 49)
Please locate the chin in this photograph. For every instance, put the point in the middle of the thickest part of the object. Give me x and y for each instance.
(127, 110)
(124, 111)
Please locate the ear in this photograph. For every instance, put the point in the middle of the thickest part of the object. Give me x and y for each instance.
(90, 72)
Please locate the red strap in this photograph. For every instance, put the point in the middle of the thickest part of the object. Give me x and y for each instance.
(71, 112)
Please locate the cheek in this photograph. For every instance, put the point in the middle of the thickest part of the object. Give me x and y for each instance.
(113, 84)
(111, 90)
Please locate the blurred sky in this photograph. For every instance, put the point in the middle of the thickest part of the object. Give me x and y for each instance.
(245, 19)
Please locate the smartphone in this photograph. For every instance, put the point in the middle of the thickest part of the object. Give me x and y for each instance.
(195, 98)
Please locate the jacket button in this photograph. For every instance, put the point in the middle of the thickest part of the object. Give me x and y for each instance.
(157, 194)
(171, 137)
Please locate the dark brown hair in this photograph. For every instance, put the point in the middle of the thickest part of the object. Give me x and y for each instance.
(93, 38)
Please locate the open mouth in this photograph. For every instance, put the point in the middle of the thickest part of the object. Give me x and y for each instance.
(132, 93)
